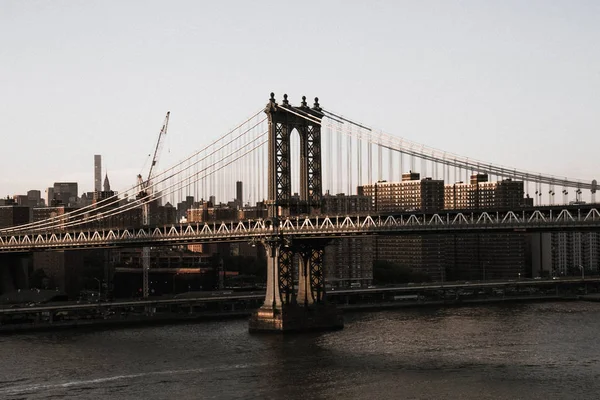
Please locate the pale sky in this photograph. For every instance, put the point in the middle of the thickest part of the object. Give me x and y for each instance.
(515, 83)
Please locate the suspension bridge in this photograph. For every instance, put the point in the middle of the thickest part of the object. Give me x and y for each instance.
(289, 158)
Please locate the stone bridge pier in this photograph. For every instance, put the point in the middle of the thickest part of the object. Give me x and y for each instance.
(294, 303)
(295, 299)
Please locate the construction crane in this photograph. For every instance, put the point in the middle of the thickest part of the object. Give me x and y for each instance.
(145, 194)
(146, 186)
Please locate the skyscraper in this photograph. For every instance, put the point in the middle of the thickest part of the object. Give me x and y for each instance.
(97, 173)
(239, 199)
(49, 196)
(106, 183)
(66, 192)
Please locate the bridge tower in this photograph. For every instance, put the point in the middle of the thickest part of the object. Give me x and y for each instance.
(286, 309)
(284, 119)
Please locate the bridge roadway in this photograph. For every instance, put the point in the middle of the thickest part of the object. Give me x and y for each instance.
(535, 219)
(216, 297)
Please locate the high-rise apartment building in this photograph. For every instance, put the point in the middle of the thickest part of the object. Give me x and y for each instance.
(239, 194)
(419, 253)
(348, 260)
(451, 257)
(97, 173)
(411, 194)
(479, 193)
(574, 251)
(484, 256)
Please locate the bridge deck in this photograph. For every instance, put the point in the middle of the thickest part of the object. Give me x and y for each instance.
(541, 219)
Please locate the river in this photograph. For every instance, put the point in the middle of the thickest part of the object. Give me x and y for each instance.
(517, 351)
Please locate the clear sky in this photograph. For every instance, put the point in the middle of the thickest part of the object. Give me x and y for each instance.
(515, 83)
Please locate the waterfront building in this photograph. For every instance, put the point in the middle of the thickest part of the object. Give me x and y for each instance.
(574, 251)
(423, 254)
(487, 255)
(74, 270)
(458, 256)
(348, 260)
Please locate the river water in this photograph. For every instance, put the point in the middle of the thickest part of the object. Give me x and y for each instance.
(523, 351)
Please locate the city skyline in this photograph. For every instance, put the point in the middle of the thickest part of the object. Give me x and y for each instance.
(506, 83)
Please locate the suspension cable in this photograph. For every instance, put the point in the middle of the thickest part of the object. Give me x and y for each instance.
(109, 201)
(164, 193)
(405, 146)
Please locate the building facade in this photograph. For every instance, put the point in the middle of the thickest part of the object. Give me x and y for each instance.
(420, 254)
(575, 253)
(457, 256)
(487, 255)
(348, 260)
(14, 215)
(66, 193)
(411, 194)
(479, 193)
(97, 173)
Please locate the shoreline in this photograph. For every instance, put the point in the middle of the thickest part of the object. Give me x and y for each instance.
(180, 318)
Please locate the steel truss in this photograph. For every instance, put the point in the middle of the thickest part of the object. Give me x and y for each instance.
(283, 120)
(286, 275)
(316, 274)
(310, 227)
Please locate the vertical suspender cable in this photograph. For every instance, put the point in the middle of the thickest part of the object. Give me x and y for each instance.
(359, 151)
(370, 161)
(349, 160)
(401, 164)
(255, 183)
(379, 159)
(390, 165)
(340, 166)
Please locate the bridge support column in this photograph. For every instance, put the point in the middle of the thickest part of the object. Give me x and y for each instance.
(311, 279)
(273, 296)
(283, 309)
(305, 297)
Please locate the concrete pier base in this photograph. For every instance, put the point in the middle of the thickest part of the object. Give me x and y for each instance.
(295, 318)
